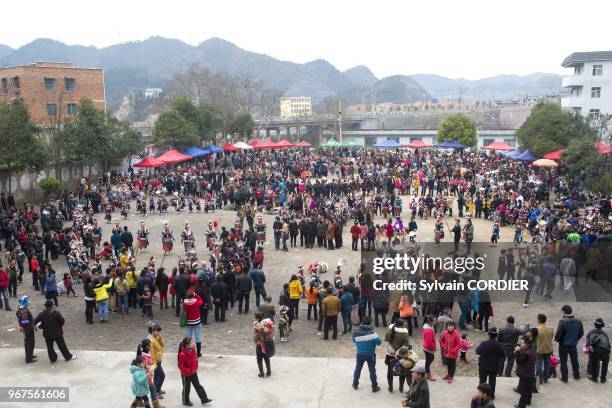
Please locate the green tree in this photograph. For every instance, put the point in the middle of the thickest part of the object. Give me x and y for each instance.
(84, 139)
(241, 124)
(173, 130)
(123, 141)
(21, 147)
(209, 123)
(549, 128)
(582, 159)
(459, 128)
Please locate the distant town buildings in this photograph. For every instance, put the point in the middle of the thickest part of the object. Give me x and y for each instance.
(152, 93)
(52, 90)
(589, 88)
(295, 106)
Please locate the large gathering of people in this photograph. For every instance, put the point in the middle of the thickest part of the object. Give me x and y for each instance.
(561, 238)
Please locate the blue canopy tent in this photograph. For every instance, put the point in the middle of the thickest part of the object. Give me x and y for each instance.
(513, 154)
(526, 156)
(214, 149)
(388, 144)
(450, 144)
(195, 151)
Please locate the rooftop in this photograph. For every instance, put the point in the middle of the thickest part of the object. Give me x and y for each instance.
(581, 57)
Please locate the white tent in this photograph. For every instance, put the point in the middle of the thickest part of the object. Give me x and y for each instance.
(242, 145)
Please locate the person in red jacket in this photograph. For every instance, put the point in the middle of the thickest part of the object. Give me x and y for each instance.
(429, 345)
(188, 366)
(35, 269)
(191, 307)
(450, 342)
(4, 284)
(355, 233)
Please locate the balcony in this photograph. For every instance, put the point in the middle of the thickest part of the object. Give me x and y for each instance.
(572, 102)
(572, 81)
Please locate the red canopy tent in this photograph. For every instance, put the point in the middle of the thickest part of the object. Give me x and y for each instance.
(254, 143)
(556, 155)
(284, 144)
(303, 143)
(150, 161)
(417, 144)
(602, 147)
(266, 144)
(173, 156)
(503, 146)
(229, 147)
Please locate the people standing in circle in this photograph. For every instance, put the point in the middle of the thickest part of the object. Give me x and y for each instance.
(188, 367)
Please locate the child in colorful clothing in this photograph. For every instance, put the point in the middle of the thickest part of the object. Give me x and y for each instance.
(68, 285)
(140, 383)
(147, 304)
(283, 323)
(554, 362)
(464, 346)
(495, 234)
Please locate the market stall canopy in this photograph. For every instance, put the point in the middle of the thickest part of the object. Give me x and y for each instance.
(556, 155)
(284, 144)
(150, 162)
(387, 144)
(173, 156)
(254, 143)
(266, 144)
(243, 146)
(526, 156)
(450, 144)
(230, 148)
(351, 143)
(303, 143)
(195, 151)
(602, 147)
(513, 154)
(545, 163)
(214, 149)
(331, 143)
(502, 146)
(417, 144)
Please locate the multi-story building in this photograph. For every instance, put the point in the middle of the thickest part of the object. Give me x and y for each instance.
(589, 88)
(295, 106)
(52, 90)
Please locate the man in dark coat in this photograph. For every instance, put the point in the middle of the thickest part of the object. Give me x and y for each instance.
(180, 285)
(52, 322)
(491, 352)
(127, 238)
(244, 284)
(508, 337)
(218, 292)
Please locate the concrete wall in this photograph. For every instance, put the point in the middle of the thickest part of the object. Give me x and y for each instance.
(24, 185)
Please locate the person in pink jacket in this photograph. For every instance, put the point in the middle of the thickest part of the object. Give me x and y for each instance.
(450, 342)
(429, 344)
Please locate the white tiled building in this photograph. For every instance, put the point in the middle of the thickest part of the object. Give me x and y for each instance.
(295, 106)
(590, 86)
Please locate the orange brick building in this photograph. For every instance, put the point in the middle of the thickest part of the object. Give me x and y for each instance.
(52, 90)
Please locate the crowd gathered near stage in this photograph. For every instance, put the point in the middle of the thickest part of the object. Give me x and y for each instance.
(561, 238)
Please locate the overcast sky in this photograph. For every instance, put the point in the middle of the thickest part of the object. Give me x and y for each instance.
(470, 38)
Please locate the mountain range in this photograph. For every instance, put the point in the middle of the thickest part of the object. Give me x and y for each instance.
(154, 61)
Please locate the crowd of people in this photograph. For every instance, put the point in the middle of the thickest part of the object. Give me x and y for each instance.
(560, 229)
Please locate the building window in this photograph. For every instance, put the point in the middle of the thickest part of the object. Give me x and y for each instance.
(50, 84)
(4, 85)
(597, 69)
(578, 69)
(52, 109)
(16, 85)
(594, 113)
(70, 84)
(72, 109)
(369, 141)
(596, 92)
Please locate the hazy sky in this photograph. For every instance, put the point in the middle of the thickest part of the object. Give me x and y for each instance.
(469, 38)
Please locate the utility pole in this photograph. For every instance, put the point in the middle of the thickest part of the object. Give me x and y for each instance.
(340, 119)
(460, 95)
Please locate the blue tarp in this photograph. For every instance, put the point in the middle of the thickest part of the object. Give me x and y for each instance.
(214, 149)
(387, 144)
(526, 156)
(195, 151)
(513, 154)
(450, 144)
